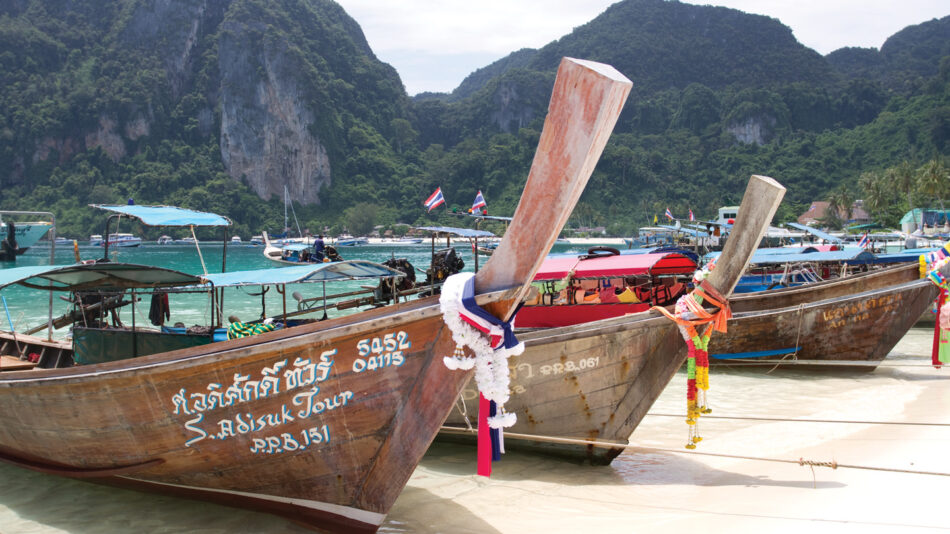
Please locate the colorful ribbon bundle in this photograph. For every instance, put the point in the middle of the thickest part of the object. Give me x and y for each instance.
(697, 357)
(493, 342)
(935, 266)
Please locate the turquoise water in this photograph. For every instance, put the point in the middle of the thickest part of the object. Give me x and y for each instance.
(28, 307)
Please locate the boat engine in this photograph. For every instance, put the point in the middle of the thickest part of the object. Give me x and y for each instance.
(384, 292)
(445, 263)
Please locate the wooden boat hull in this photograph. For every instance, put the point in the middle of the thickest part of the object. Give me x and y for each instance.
(851, 320)
(590, 381)
(282, 422)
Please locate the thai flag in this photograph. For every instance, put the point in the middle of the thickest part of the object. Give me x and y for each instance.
(865, 241)
(479, 202)
(691, 215)
(669, 214)
(435, 199)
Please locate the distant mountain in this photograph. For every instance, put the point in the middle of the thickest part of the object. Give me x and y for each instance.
(220, 104)
(904, 60)
(664, 44)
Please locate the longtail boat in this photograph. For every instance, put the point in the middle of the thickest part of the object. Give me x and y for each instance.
(596, 380)
(324, 422)
(857, 318)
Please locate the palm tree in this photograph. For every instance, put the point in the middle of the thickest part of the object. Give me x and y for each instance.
(905, 178)
(876, 194)
(933, 180)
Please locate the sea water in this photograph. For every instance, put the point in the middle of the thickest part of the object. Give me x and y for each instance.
(654, 488)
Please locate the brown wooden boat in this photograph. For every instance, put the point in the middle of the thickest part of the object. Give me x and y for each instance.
(294, 421)
(858, 318)
(596, 380)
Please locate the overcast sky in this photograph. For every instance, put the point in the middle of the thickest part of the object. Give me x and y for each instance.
(434, 44)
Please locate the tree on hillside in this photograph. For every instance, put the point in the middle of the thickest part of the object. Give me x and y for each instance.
(876, 195)
(933, 179)
(904, 177)
(839, 201)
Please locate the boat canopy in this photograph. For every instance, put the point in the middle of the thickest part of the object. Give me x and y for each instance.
(95, 275)
(167, 215)
(461, 232)
(311, 272)
(772, 256)
(295, 246)
(685, 230)
(816, 232)
(556, 268)
(118, 276)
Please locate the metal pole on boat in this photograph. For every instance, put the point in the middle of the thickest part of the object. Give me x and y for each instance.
(12, 330)
(324, 301)
(52, 261)
(135, 341)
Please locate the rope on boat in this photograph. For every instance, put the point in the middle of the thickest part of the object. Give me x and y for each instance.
(616, 445)
(738, 362)
(792, 420)
(798, 337)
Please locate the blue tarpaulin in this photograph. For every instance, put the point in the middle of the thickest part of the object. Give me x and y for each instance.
(313, 272)
(167, 215)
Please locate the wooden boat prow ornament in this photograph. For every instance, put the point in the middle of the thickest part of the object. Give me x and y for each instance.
(296, 422)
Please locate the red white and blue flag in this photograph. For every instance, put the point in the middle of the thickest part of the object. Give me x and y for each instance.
(479, 202)
(669, 214)
(865, 241)
(691, 215)
(435, 199)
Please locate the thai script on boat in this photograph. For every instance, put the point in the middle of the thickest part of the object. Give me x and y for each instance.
(860, 311)
(525, 371)
(243, 423)
(378, 353)
(288, 442)
(304, 372)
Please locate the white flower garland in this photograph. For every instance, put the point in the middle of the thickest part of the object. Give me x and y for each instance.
(491, 366)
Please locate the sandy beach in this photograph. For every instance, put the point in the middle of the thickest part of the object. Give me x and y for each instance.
(643, 490)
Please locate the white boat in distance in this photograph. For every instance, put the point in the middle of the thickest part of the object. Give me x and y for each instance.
(120, 240)
(165, 240)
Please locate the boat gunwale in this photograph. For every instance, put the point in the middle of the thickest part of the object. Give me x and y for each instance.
(840, 299)
(392, 315)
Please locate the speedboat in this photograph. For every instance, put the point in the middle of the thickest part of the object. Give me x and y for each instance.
(236, 239)
(95, 240)
(165, 240)
(123, 240)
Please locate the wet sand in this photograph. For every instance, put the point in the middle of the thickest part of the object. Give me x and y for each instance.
(642, 491)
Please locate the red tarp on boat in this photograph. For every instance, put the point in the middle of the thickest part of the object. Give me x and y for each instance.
(615, 266)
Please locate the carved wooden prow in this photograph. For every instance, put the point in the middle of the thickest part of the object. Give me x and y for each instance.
(585, 104)
(761, 199)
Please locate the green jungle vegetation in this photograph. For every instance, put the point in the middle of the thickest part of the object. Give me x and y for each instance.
(718, 95)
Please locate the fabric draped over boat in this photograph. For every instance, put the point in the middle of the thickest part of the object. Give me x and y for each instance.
(689, 314)
(935, 266)
(493, 342)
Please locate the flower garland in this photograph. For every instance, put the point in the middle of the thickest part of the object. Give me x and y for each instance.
(697, 356)
(493, 342)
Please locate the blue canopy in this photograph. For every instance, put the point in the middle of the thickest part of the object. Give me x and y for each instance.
(116, 276)
(461, 232)
(687, 231)
(312, 272)
(167, 215)
(295, 246)
(851, 255)
(815, 232)
(95, 275)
